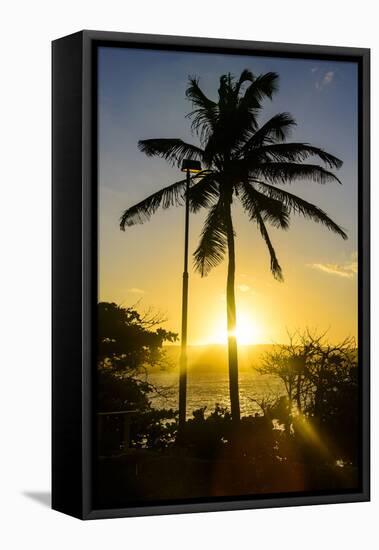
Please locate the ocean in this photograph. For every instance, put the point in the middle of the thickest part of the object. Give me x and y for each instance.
(208, 381)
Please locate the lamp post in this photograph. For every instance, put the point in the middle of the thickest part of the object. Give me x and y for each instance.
(188, 166)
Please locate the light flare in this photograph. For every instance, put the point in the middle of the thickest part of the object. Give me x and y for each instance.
(248, 331)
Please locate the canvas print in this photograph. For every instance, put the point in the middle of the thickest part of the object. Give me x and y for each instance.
(227, 309)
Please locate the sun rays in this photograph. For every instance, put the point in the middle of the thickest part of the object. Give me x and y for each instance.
(248, 330)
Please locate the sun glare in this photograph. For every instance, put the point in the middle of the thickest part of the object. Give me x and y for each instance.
(247, 332)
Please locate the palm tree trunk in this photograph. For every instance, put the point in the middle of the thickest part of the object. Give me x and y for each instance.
(231, 320)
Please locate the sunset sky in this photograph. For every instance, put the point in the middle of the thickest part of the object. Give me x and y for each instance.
(141, 96)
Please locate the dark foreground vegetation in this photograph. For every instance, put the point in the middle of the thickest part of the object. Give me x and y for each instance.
(305, 440)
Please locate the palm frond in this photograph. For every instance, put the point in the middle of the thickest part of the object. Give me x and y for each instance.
(276, 129)
(300, 206)
(213, 241)
(276, 270)
(294, 152)
(225, 91)
(246, 76)
(204, 116)
(287, 172)
(268, 208)
(173, 150)
(204, 192)
(264, 85)
(195, 94)
(171, 195)
(241, 112)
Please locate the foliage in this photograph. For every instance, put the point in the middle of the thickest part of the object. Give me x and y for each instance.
(128, 340)
(322, 387)
(129, 343)
(154, 429)
(205, 436)
(117, 392)
(310, 367)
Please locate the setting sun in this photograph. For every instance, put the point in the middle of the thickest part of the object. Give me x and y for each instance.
(247, 332)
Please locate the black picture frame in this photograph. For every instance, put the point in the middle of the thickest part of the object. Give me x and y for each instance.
(74, 271)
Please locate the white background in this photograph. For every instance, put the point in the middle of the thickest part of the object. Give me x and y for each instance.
(27, 29)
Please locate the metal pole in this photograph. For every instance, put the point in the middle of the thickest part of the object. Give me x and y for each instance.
(183, 352)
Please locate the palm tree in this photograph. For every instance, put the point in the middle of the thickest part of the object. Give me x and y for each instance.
(242, 160)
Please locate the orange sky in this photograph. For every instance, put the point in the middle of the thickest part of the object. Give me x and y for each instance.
(145, 264)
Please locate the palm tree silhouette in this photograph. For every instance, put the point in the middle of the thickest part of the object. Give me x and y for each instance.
(242, 160)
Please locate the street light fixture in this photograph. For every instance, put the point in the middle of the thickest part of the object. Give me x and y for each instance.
(190, 167)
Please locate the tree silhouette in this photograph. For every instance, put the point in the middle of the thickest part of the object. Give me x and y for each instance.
(241, 160)
(127, 343)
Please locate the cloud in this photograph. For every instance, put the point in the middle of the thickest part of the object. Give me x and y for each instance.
(347, 269)
(243, 288)
(328, 78)
(314, 69)
(135, 290)
(325, 80)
